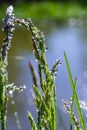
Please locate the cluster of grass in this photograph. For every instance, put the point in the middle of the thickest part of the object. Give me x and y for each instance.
(45, 100)
(47, 10)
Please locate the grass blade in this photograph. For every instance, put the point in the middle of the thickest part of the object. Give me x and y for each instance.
(33, 124)
(75, 94)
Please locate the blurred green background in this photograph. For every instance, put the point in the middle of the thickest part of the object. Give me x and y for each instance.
(46, 9)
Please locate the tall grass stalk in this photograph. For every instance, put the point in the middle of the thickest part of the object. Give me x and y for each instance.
(5, 87)
(73, 85)
(8, 30)
(45, 101)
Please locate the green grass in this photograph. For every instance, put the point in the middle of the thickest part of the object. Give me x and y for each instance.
(73, 85)
(46, 11)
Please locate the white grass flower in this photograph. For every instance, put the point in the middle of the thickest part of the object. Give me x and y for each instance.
(9, 10)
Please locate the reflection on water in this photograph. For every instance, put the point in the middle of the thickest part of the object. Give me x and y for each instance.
(59, 39)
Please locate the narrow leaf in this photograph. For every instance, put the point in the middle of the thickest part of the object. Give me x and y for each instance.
(75, 94)
(33, 124)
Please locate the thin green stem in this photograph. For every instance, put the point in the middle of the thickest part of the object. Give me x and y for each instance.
(15, 112)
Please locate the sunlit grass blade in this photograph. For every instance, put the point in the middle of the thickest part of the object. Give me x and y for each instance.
(33, 73)
(33, 124)
(39, 99)
(75, 93)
